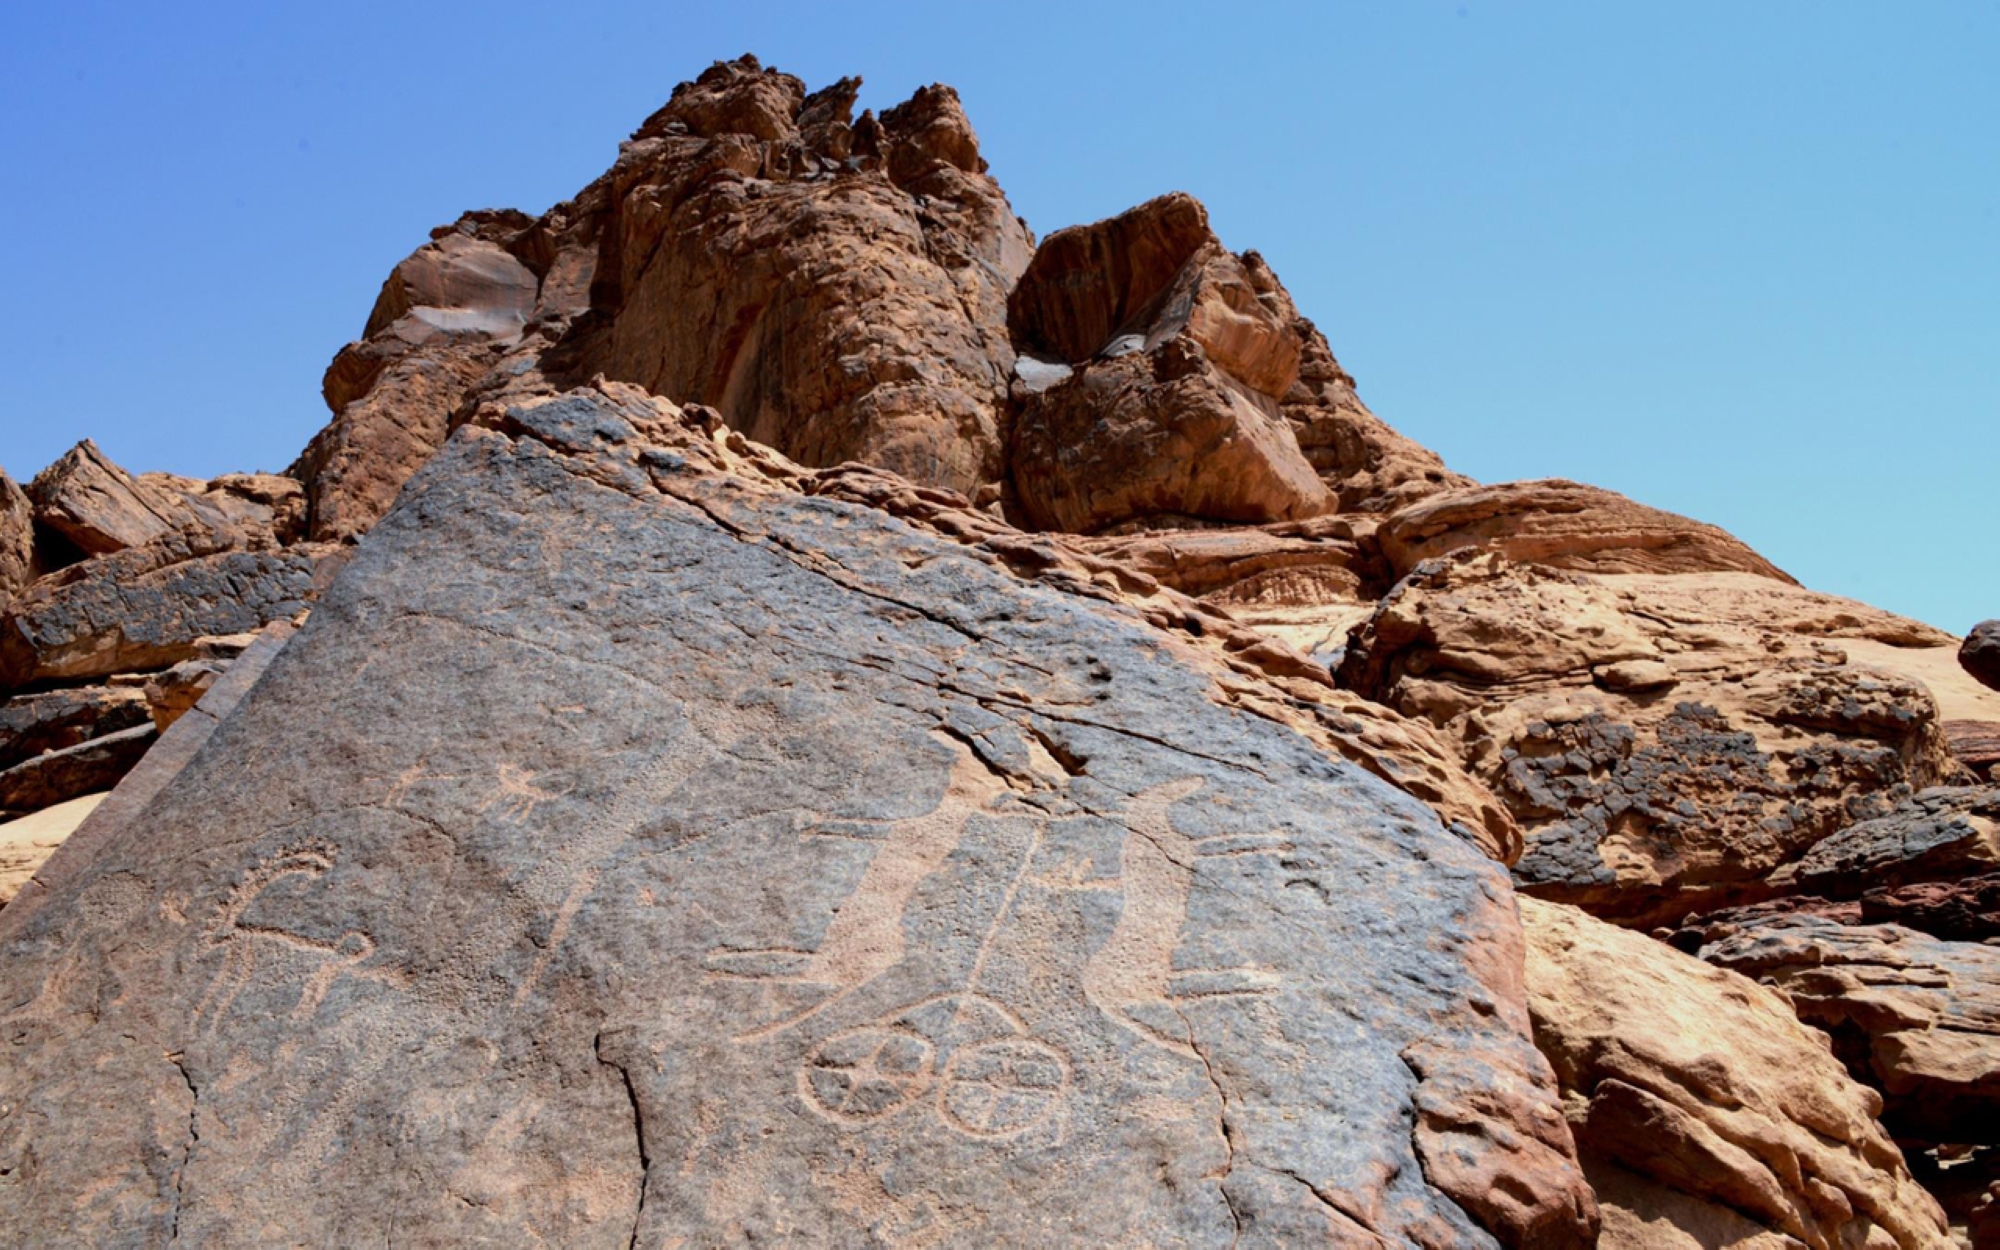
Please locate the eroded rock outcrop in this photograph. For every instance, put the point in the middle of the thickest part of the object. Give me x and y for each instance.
(1704, 1112)
(149, 607)
(1563, 525)
(1667, 742)
(18, 566)
(1150, 381)
(1914, 1016)
(592, 868)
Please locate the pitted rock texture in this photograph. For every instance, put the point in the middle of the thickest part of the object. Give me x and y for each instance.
(557, 864)
(1151, 378)
(1667, 743)
(1980, 653)
(1914, 1016)
(150, 606)
(1704, 1112)
(51, 720)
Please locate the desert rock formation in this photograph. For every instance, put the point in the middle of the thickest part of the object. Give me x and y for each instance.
(814, 718)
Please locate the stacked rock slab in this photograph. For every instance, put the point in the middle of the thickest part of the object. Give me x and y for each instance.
(545, 889)
(1705, 1113)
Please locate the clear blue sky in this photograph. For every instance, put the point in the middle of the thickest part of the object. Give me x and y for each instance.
(1737, 260)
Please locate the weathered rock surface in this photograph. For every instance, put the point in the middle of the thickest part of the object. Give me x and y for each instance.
(1369, 467)
(18, 566)
(543, 888)
(1914, 1016)
(26, 843)
(57, 776)
(1975, 744)
(1980, 653)
(835, 287)
(1151, 379)
(1567, 526)
(149, 607)
(172, 693)
(1669, 742)
(97, 506)
(1704, 1113)
(51, 720)
(1937, 835)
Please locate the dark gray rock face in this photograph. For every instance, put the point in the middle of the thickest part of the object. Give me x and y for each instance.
(74, 771)
(1980, 653)
(33, 723)
(146, 607)
(629, 852)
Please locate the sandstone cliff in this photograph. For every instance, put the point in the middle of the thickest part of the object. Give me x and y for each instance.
(813, 717)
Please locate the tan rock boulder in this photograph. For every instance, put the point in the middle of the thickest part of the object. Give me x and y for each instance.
(1705, 1114)
(1564, 525)
(835, 287)
(1916, 1017)
(100, 508)
(1668, 742)
(18, 566)
(1151, 381)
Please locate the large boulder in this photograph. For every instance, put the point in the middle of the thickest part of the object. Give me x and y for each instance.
(1979, 654)
(1704, 1113)
(151, 606)
(1912, 1015)
(53, 719)
(1670, 742)
(643, 842)
(98, 507)
(1150, 381)
(91, 766)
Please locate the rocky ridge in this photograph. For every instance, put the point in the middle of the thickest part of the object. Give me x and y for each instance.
(1230, 723)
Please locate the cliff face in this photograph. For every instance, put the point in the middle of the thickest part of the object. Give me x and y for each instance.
(818, 718)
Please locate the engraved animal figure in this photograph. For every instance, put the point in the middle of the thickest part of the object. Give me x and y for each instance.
(1132, 978)
(247, 944)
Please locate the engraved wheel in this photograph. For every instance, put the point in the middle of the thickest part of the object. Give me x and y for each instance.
(866, 1074)
(1003, 1087)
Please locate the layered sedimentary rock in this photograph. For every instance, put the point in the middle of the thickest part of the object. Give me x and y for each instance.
(1563, 525)
(1704, 1112)
(17, 539)
(1667, 742)
(1914, 1016)
(569, 846)
(150, 606)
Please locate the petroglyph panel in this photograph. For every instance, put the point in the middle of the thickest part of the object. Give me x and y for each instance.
(745, 866)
